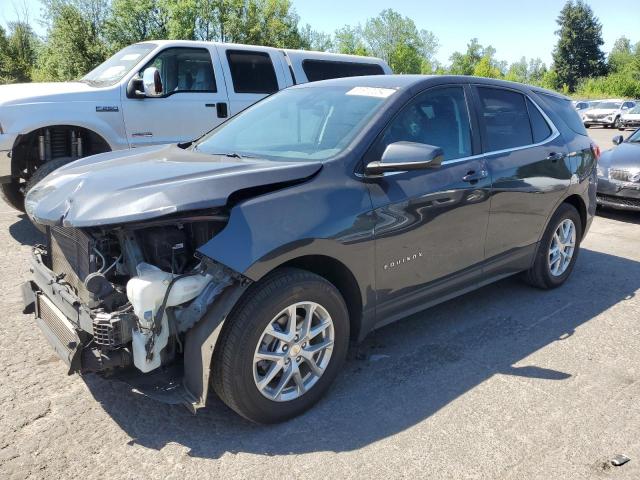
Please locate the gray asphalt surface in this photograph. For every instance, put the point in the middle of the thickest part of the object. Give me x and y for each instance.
(507, 382)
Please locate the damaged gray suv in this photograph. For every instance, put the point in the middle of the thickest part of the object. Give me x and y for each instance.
(247, 260)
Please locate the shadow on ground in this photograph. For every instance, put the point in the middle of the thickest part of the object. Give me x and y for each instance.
(619, 215)
(24, 232)
(402, 374)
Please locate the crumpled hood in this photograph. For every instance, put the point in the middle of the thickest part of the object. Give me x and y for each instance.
(21, 93)
(625, 156)
(120, 187)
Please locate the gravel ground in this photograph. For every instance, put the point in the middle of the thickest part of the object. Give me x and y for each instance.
(507, 382)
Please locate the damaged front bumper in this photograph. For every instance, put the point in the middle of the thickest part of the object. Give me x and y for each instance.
(70, 328)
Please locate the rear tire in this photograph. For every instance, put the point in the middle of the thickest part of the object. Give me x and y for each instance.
(541, 274)
(241, 381)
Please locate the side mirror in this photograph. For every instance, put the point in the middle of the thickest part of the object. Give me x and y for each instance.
(617, 140)
(405, 156)
(152, 82)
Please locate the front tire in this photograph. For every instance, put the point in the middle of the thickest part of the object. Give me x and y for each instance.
(281, 347)
(558, 249)
(13, 195)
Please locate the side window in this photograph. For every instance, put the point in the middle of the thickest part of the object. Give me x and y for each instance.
(252, 72)
(539, 125)
(562, 107)
(628, 104)
(436, 117)
(185, 70)
(504, 119)
(324, 69)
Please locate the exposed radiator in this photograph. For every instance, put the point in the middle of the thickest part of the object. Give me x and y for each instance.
(72, 255)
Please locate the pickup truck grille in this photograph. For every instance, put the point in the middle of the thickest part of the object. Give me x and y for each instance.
(71, 255)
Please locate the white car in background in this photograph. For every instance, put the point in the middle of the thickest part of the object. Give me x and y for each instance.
(607, 113)
(149, 93)
(631, 118)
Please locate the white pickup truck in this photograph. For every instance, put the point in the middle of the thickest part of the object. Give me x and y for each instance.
(148, 93)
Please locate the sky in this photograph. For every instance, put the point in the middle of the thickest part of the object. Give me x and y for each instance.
(514, 28)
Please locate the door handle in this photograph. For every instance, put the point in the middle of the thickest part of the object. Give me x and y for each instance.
(221, 110)
(555, 156)
(472, 176)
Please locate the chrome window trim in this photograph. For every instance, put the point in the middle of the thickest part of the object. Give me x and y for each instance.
(555, 133)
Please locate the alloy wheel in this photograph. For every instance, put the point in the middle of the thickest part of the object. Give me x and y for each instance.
(563, 244)
(293, 352)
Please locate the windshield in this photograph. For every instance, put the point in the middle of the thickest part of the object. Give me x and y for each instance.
(116, 67)
(609, 105)
(635, 137)
(312, 123)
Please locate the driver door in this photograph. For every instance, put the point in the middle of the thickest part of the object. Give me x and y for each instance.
(430, 224)
(194, 99)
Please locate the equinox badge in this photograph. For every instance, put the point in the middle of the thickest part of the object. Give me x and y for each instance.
(400, 261)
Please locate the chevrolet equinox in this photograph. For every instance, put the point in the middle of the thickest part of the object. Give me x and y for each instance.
(247, 260)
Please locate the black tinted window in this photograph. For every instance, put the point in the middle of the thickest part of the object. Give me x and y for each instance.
(323, 70)
(539, 125)
(563, 109)
(504, 119)
(436, 117)
(252, 72)
(185, 70)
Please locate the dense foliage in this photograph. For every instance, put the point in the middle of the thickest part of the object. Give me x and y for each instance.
(83, 33)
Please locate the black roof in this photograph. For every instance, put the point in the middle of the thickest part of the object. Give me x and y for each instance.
(402, 82)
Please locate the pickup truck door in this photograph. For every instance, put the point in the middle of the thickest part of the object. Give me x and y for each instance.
(194, 100)
(431, 224)
(252, 73)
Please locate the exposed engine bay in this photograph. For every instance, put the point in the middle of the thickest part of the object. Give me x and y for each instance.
(136, 288)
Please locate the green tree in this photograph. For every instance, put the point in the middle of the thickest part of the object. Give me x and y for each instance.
(313, 40)
(578, 54)
(18, 52)
(621, 55)
(349, 40)
(133, 21)
(73, 46)
(397, 40)
(485, 68)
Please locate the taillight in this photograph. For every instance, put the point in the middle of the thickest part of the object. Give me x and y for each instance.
(596, 151)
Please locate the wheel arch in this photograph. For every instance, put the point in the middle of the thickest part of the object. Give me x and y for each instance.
(341, 277)
(577, 201)
(25, 148)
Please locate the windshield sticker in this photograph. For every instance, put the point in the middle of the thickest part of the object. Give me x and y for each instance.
(112, 71)
(371, 92)
(130, 57)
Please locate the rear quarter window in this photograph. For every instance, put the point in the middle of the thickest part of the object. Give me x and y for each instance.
(566, 112)
(316, 70)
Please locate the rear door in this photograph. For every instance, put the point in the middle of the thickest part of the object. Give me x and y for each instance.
(528, 162)
(431, 223)
(251, 73)
(193, 90)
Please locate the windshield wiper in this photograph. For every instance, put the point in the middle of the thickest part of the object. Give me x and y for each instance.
(233, 155)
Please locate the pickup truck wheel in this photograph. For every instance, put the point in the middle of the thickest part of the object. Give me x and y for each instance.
(44, 170)
(282, 346)
(558, 250)
(12, 195)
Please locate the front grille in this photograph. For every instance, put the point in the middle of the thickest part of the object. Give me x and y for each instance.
(71, 255)
(53, 319)
(620, 175)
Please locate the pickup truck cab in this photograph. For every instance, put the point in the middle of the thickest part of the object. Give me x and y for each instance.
(188, 88)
